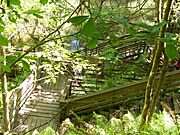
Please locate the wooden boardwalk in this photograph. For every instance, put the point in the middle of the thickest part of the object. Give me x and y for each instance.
(46, 104)
(117, 96)
(35, 105)
(41, 107)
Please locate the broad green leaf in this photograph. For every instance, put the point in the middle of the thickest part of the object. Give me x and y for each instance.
(92, 43)
(26, 65)
(145, 26)
(1, 28)
(171, 51)
(122, 21)
(1, 58)
(78, 20)
(47, 131)
(170, 35)
(140, 36)
(161, 24)
(133, 39)
(15, 2)
(12, 18)
(32, 11)
(3, 41)
(89, 28)
(1, 21)
(10, 59)
(43, 2)
(113, 39)
(168, 41)
(5, 68)
(131, 30)
(38, 16)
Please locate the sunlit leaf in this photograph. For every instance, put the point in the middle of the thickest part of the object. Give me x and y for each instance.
(12, 18)
(43, 2)
(92, 43)
(26, 65)
(32, 11)
(171, 51)
(38, 16)
(15, 2)
(1, 28)
(47, 131)
(78, 20)
(3, 41)
(5, 68)
(89, 28)
(10, 59)
(1, 58)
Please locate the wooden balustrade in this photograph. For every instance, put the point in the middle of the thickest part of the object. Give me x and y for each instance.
(18, 97)
(115, 96)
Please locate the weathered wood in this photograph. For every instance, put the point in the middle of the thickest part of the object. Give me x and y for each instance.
(19, 96)
(102, 98)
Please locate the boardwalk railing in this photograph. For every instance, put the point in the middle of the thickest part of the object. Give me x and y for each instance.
(116, 96)
(18, 97)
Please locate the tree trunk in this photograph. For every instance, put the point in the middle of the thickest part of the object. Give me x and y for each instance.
(156, 61)
(4, 96)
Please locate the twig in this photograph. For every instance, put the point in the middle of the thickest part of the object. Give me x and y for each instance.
(43, 41)
(145, 1)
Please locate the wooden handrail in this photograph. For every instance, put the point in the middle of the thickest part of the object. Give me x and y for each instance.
(115, 95)
(18, 97)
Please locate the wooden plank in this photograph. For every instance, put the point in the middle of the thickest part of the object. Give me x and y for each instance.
(169, 78)
(100, 100)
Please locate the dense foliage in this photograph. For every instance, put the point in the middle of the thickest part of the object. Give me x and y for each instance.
(37, 35)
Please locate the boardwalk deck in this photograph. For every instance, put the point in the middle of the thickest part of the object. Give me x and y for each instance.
(41, 107)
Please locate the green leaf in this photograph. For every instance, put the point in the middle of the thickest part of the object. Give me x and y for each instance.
(89, 28)
(92, 43)
(43, 2)
(131, 30)
(10, 59)
(77, 20)
(12, 18)
(140, 36)
(47, 131)
(170, 35)
(1, 28)
(26, 65)
(161, 24)
(171, 51)
(38, 16)
(15, 2)
(3, 41)
(168, 41)
(32, 11)
(113, 39)
(1, 58)
(122, 21)
(5, 68)
(145, 26)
